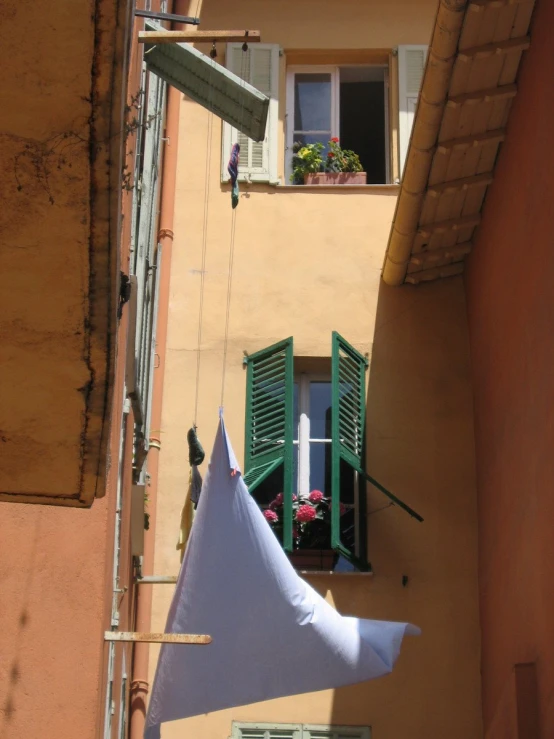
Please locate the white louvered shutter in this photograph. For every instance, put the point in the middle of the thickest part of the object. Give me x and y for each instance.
(411, 65)
(260, 67)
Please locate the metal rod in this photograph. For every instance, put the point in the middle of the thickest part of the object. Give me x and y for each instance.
(168, 17)
(157, 580)
(389, 495)
(136, 636)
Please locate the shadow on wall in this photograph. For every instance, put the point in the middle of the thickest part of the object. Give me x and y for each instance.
(420, 445)
(13, 675)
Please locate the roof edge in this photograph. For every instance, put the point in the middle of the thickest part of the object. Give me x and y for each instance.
(432, 100)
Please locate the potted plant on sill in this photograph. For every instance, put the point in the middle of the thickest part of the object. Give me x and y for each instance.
(338, 167)
(311, 529)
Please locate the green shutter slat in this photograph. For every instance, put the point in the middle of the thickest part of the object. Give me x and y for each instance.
(272, 429)
(270, 369)
(272, 412)
(269, 411)
(346, 374)
(257, 475)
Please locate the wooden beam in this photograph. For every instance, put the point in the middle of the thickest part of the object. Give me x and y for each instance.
(477, 139)
(453, 224)
(190, 37)
(496, 47)
(463, 183)
(504, 92)
(435, 273)
(135, 636)
(429, 256)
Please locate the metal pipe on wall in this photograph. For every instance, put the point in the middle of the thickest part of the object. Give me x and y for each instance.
(139, 683)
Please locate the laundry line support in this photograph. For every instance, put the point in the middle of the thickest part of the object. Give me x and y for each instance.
(136, 636)
(191, 37)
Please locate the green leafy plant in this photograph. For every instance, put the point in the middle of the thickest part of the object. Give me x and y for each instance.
(341, 160)
(309, 159)
(306, 159)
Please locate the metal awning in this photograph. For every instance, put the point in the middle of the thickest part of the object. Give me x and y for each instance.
(211, 85)
(464, 105)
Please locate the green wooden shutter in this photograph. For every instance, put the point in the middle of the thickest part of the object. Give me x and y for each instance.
(348, 368)
(269, 432)
(348, 445)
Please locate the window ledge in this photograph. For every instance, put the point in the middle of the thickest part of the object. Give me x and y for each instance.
(246, 187)
(393, 188)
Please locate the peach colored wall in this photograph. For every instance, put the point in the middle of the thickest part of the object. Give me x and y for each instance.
(511, 318)
(308, 261)
(56, 564)
(52, 612)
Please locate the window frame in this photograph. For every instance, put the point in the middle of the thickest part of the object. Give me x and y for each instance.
(334, 70)
(304, 379)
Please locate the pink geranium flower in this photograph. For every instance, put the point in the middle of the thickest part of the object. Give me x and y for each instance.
(271, 516)
(305, 513)
(315, 496)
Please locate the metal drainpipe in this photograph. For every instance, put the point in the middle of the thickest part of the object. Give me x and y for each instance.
(139, 682)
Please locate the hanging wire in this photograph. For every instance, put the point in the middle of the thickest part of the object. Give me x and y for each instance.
(244, 61)
(204, 245)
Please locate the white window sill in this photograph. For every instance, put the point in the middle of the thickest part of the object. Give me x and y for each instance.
(393, 188)
(245, 187)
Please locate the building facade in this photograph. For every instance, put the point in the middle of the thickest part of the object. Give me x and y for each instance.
(306, 262)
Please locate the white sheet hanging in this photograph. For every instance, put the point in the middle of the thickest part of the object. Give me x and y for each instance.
(273, 635)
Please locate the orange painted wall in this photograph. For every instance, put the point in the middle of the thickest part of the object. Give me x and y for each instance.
(56, 582)
(511, 319)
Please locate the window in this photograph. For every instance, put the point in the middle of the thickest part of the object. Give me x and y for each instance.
(349, 102)
(309, 435)
(298, 731)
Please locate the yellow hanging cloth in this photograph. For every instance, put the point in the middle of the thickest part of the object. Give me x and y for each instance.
(187, 517)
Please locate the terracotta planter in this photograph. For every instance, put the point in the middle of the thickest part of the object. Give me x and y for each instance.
(313, 559)
(336, 178)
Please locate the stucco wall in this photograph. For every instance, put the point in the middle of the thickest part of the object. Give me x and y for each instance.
(511, 322)
(52, 572)
(306, 263)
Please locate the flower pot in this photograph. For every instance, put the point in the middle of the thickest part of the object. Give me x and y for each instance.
(313, 559)
(336, 178)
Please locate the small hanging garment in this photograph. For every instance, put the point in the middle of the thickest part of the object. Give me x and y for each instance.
(233, 169)
(196, 452)
(237, 585)
(195, 485)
